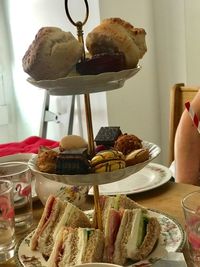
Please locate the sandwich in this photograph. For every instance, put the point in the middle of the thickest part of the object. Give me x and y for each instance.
(117, 202)
(75, 246)
(129, 234)
(128, 230)
(56, 214)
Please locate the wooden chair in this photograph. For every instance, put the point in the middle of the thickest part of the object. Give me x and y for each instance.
(179, 95)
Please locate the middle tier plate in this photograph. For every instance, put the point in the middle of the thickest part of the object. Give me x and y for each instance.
(98, 178)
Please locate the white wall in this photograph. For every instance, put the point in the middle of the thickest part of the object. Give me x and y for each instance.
(142, 106)
(135, 107)
(7, 104)
(26, 18)
(192, 31)
(171, 65)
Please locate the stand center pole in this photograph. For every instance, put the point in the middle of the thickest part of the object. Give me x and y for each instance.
(97, 210)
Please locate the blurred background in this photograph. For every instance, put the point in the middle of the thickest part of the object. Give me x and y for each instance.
(141, 107)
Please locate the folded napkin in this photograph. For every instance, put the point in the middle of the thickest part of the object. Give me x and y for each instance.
(29, 145)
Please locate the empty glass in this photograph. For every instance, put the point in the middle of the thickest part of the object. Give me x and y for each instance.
(20, 174)
(7, 223)
(191, 209)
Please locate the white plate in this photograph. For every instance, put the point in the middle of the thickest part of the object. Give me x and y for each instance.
(172, 238)
(98, 178)
(16, 157)
(24, 157)
(151, 176)
(85, 84)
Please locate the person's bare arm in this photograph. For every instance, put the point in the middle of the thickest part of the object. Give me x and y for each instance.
(187, 147)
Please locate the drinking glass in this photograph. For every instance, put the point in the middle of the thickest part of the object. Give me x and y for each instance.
(191, 209)
(20, 174)
(7, 223)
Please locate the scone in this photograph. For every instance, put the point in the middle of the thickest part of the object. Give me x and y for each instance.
(116, 35)
(52, 54)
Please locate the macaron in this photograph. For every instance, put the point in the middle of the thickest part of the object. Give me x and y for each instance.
(70, 142)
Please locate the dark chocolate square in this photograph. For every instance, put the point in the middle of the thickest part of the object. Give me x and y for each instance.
(107, 135)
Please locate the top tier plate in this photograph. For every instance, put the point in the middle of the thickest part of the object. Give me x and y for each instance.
(85, 84)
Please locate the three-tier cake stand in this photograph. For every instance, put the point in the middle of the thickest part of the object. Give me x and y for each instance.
(80, 84)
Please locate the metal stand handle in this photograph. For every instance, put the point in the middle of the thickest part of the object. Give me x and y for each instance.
(79, 26)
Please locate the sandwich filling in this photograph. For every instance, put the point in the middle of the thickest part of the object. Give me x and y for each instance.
(66, 217)
(56, 215)
(75, 246)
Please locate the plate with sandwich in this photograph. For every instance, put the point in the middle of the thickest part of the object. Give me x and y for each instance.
(151, 176)
(65, 235)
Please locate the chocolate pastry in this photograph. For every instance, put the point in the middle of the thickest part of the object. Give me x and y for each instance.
(102, 63)
(107, 136)
(73, 162)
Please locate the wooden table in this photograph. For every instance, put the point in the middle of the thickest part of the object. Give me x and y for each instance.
(166, 198)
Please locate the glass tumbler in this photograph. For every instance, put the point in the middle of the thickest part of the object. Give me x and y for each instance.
(20, 174)
(7, 222)
(191, 209)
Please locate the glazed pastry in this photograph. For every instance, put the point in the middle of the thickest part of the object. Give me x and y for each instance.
(107, 161)
(73, 162)
(116, 35)
(69, 142)
(137, 156)
(52, 54)
(107, 136)
(126, 143)
(109, 166)
(102, 63)
(46, 160)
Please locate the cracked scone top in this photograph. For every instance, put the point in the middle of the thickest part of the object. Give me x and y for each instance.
(52, 54)
(116, 35)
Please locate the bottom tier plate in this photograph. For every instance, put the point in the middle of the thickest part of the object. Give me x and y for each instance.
(172, 238)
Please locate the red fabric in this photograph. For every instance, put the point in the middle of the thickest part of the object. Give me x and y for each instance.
(29, 145)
